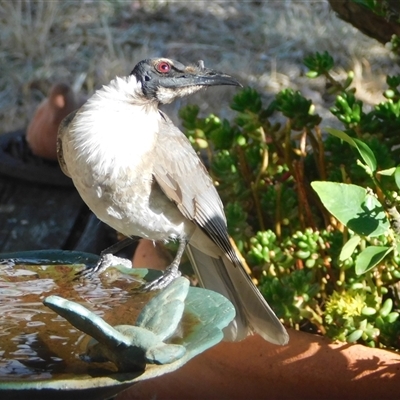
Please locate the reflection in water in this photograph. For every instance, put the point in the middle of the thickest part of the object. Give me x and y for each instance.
(38, 344)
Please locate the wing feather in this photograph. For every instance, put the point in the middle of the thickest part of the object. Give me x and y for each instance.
(184, 179)
(182, 176)
(62, 130)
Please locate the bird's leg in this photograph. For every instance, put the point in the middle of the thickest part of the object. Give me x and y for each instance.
(171, 273)
(107, 259)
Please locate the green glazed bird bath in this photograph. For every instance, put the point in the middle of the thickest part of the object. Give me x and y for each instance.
(43, 355)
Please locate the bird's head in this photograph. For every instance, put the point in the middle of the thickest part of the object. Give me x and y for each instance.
(163, 80)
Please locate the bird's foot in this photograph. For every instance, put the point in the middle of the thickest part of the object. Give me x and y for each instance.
(8, 262)
(170, 274)
(105, 261)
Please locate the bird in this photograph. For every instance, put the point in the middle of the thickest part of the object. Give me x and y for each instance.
(41, 134)
(139, 174)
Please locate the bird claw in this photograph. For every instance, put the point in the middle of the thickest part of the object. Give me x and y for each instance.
(169, 275)
(105, 261)
(8, 262)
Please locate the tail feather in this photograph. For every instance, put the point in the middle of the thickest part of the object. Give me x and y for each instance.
(253, 314)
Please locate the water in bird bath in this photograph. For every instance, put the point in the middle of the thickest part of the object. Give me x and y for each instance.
(39, 351)
(36, 343)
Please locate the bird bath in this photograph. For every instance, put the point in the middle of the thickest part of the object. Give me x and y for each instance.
(41, 352)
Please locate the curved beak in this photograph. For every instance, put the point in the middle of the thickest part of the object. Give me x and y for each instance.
(200, 76)
(214, 78)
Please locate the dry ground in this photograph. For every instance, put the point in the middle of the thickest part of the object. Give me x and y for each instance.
(262, 43)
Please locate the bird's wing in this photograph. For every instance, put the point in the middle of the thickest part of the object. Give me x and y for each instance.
(184, 179)
(62, 130)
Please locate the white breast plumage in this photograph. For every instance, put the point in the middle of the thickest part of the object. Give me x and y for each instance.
(105, 150)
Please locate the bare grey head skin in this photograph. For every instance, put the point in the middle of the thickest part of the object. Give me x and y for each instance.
(163, 80)
(139, 174)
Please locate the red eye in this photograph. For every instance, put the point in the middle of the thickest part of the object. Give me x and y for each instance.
(163, 67)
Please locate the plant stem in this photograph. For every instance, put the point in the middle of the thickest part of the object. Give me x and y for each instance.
(321, 154)
(247, 176)
(278, 212)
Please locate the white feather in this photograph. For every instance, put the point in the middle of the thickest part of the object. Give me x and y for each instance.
(106, 149)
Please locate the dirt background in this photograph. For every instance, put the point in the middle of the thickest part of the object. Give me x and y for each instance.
(262, 43)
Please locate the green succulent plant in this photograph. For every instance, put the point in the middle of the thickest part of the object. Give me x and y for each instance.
(314, 211)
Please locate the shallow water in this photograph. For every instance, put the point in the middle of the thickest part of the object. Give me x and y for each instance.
(36, 343)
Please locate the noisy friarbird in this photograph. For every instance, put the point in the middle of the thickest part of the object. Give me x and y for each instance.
(139, 174)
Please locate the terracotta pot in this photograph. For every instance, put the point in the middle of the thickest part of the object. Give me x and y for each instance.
(310, 367)
(152, 254)
(41, 134)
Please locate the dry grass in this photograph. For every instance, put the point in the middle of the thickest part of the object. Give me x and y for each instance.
(86, 43)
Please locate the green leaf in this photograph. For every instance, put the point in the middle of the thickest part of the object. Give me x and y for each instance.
(368, 311)
(392, 317)
(312, 74)
(386, 308)
(387, 172)
(348, 249)
(365, 152)
(354, 207)
(363, 324)
(354, 336)
(370, 257)
(397, 176)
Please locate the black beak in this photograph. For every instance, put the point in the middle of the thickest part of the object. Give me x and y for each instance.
(195, 76)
